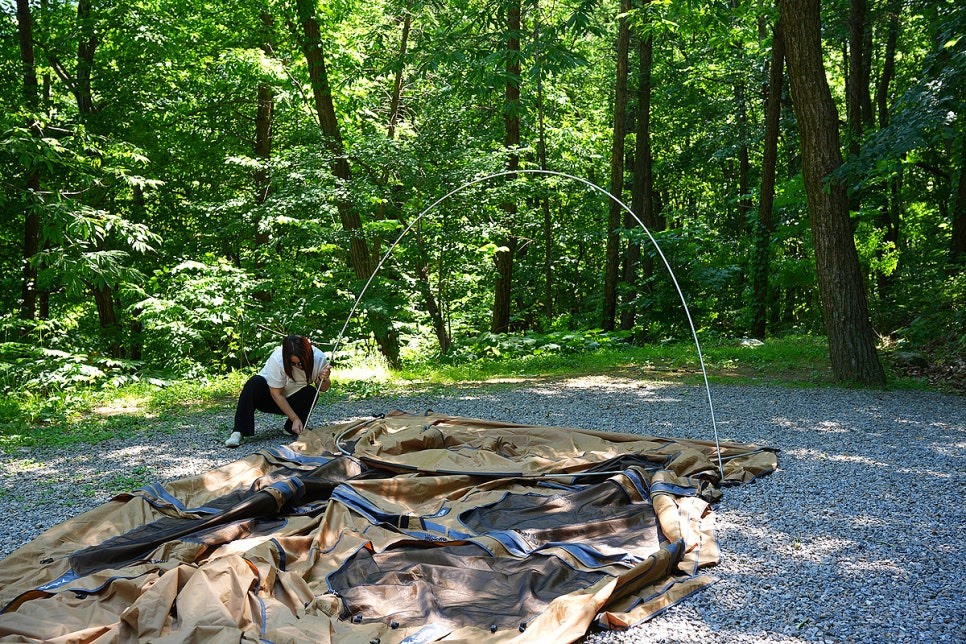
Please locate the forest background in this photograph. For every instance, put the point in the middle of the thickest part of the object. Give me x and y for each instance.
(182, 181)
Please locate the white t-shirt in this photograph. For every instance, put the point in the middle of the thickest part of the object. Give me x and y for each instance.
(274, 372)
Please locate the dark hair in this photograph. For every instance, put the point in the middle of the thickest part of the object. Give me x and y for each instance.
(300, 347)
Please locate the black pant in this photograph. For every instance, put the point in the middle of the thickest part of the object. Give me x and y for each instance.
(256, 395)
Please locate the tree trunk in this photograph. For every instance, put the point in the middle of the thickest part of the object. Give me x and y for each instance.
(889, 214)
(263, 152)
(83, 93)
(359, 258)
(542, 159)
(503, 286)
(398, 82)
(31, 229)
(642, 187)
(844, 304)
(741, 120)
(761, 264)
(500, 322)
(615, 218)
(422, 262)
(86, 44)
(311, 42)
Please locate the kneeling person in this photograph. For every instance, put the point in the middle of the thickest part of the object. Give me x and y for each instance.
(282, 387)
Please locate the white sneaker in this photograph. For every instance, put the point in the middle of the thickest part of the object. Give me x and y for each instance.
(234, 440)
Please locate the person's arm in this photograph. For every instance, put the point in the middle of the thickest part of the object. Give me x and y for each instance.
(322, 380)
(278, 394)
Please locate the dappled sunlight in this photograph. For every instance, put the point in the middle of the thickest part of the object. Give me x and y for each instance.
(14, 466)
(820, 550)
(125, 406)
(875, 566)
(855, 458)
(824, 455)
(953, 450)
(830, 427)
(127, 452)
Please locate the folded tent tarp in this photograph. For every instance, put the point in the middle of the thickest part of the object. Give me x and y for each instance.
(401, 528)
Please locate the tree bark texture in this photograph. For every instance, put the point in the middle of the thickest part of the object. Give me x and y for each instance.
(615, 217)
(761, 262)
(844, 302)
(642, 184)
(311, 40)
(86, 45)
(360, 260)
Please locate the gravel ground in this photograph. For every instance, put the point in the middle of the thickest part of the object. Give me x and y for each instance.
(858, 537)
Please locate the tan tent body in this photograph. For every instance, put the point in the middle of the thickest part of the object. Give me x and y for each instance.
(405, 528)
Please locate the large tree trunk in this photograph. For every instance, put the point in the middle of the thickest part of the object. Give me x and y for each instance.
(503, 286)
(615, 218)
(844, 305)
(31, 229)
(359, 258)
(761, 263)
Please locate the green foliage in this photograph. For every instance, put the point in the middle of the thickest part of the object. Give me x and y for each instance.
(936, 316)
(193, 317)
(491, 346)
(156, 199)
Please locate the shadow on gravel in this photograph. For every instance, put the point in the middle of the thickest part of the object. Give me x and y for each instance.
(855, 538)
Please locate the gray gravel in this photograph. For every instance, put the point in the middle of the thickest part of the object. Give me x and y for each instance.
(858, 537)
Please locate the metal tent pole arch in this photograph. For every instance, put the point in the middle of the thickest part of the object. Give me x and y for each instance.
(667, 265)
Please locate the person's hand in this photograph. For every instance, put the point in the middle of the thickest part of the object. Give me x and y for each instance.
(323, 380)
(297, 426)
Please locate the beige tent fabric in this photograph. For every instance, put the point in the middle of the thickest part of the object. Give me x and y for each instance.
(402, 528)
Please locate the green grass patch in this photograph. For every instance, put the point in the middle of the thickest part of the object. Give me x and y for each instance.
(798, 361)
(94, 415)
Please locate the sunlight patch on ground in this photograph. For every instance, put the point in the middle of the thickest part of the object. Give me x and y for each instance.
(874, 566)
(831, 427)
(609, 382)
(10, 467)
(128, 406)
(863, 460)
(842, 458)
(955, 450)
(820, 549)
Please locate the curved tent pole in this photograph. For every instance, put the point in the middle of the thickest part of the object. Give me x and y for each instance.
(667, 265)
